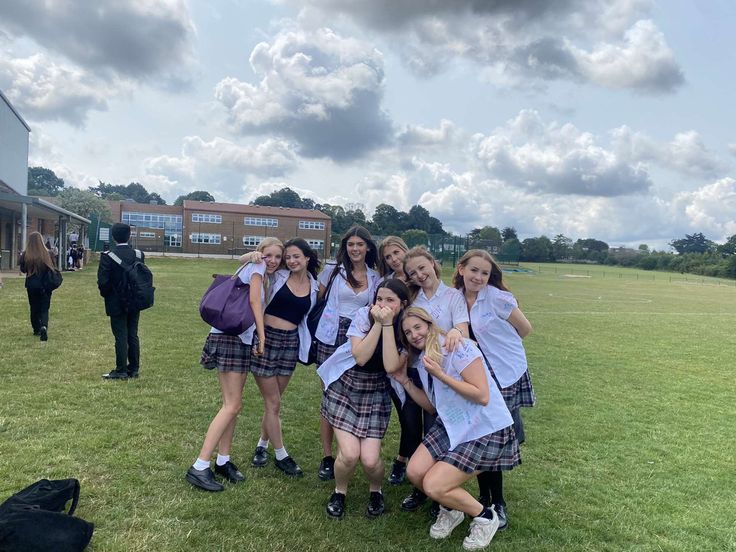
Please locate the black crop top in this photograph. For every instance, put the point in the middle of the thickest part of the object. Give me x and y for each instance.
(287, 306)
(375, 363)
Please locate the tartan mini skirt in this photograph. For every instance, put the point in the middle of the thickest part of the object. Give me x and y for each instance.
(225, 352)
(280, 354)
(359, 403)
(325, 351)
(493, 452)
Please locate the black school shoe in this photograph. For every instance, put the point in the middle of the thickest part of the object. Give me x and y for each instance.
(44, 333)
(376, 505)
(413, 501)
(289, 467)
(398, 473)
(326, 468)
(336, 506)
(116, 375)
(230, 472)
(204, 479)
(260, 457)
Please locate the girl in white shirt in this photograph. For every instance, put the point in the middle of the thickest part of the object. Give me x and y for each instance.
(473, 431)
(498, 326)
(356, 400)
(391, 253)
(231, 355)
(352, 282)
(447, 307)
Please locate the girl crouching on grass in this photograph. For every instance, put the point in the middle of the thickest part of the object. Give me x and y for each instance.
(473, 431)
(231, 355)
(356, 401)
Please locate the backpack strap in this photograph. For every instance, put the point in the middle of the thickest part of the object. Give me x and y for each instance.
(138, 253)
(75, 497)
(115, 258)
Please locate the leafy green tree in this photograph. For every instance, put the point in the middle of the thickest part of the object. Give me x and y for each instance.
(44, 182)
(728, 248)
(84, 203)
(509, 233)
(135, 191)
(387, 220)
(415, 237)
(510, 251)
(692, 243)
(561, 247)
(285, 197)
(536, 249)
(198, 195)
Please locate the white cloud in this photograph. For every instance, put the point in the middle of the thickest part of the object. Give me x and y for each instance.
(552, 158)
(316, 87)
(710, 209)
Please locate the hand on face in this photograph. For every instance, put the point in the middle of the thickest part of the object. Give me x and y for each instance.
(382, 315)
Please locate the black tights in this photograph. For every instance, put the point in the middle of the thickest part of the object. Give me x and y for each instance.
(490, 484)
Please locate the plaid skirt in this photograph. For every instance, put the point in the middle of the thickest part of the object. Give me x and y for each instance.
(358, 403)
(497, 451)
(280, 354)
(225, 352)
(519, 394)
(325, 351)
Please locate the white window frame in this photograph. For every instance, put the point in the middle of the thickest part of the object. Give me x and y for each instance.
(318, 245)
(311, 225)
(205, 238)
(209, 218)
(252, 241)
(261, 221)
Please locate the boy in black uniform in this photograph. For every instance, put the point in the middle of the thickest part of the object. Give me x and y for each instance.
(123, 321)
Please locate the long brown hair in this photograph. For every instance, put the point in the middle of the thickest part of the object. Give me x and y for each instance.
(343, 259)
(495, 279)
(36, 257)
(432, 347)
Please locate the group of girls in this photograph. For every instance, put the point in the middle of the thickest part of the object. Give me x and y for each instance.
(450, 358)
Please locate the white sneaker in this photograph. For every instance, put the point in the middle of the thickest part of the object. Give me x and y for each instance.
(481, 532)
(447, 520)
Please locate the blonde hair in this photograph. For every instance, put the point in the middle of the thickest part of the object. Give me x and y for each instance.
(496, 277)
(421, 251)
(432, 347)
(388, 241)
(268, 242)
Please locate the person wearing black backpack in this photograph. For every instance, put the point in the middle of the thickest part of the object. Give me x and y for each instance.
(41, 279)
(114, 281)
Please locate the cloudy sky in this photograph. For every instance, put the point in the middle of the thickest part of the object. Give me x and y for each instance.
(610, 119)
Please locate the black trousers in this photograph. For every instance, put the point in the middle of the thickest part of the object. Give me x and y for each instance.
(413, 419)
(127, 347)
(40, 302)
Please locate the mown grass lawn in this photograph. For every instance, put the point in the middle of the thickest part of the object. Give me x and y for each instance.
(632, 445)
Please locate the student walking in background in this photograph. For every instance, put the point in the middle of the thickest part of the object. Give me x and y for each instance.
(356, 402)
(37, 265)
(123, 316)
(473, 431)
(498, 326)
(232, 356)
(352, 282)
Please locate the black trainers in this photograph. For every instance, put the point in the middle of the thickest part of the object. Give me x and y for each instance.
(376, 505)
(260, 457)
(204, 479)
(503, 520)
(44, 334)
(289, 467)
(230, 472)
(413, 501)
(326, 468)
(398, 473)
(336, 506)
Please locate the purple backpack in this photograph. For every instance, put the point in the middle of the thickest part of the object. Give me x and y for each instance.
(226, 304)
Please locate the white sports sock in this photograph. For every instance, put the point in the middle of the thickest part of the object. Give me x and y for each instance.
(263, 443)
(281, 453)
(222, 460)
(200, 464)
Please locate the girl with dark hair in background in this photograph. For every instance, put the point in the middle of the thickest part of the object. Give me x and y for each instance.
(293, 294)
(473, 431)
(498, 326)
(356, 400)
(36, 264)
(352, 282)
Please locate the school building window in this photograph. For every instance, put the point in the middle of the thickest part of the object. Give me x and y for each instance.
(152, 220)
(261, 221)
(206, 217)
(173, 240)
(211, 239)
(311, 225)
(252, 241)
(316, 244)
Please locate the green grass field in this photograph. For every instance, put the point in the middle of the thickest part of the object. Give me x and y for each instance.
(630, 447)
